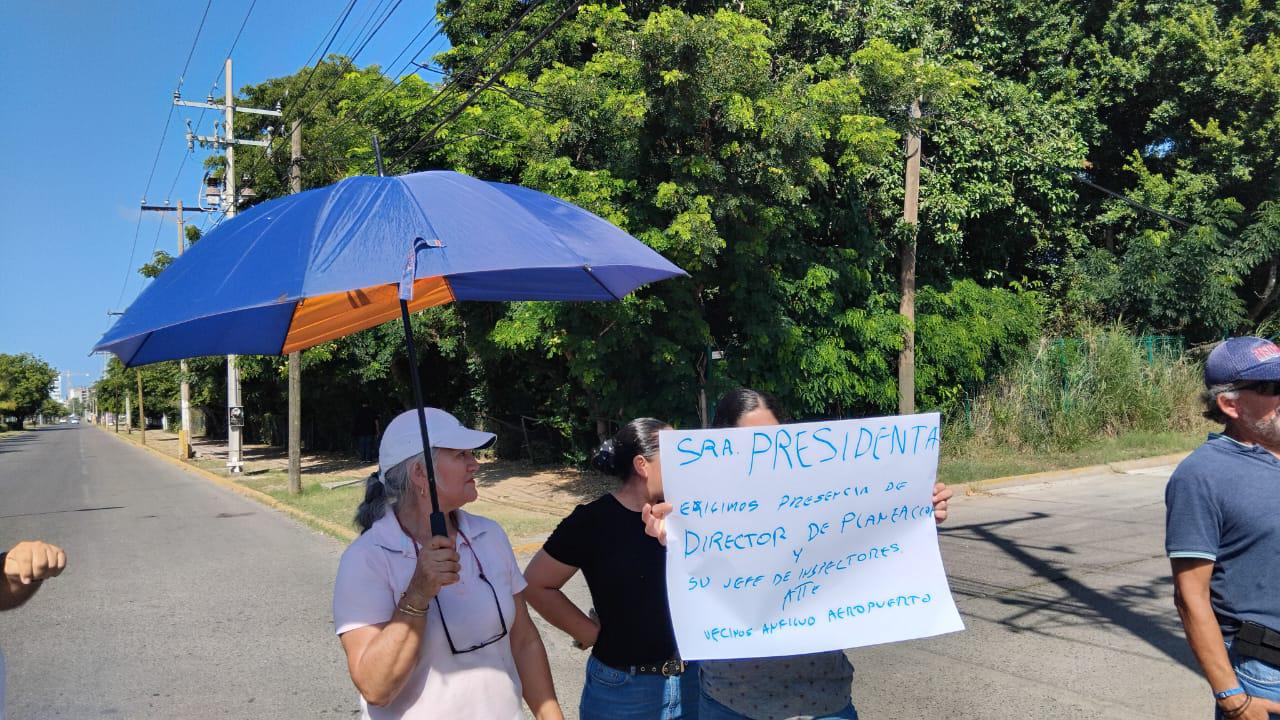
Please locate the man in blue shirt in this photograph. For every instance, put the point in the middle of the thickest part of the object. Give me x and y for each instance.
(1223, 532)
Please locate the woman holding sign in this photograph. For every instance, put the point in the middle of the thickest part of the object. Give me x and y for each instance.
(813, 686)
(634, 670)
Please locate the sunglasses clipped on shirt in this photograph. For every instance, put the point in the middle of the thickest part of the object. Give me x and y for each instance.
(1269, 388)
(492, 638)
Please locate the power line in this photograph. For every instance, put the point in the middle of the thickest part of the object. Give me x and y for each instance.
(156, 242)
(128, 270)
(177, 176)
(234, 43)
(451, 86)
(332, 35)
(324, 94)
(511, 92)
(414, 39)
(368, 103)
(465, 76)
(1080, 178)
(354, 38)
(312, 56)
(164, 133)
(375, 30)
(341, 21)
(573, 7)
(183, 77)
(212, 86)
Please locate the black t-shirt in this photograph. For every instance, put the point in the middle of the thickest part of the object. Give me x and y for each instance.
(626, 573)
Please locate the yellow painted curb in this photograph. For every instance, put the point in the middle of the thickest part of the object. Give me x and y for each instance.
(333, 529)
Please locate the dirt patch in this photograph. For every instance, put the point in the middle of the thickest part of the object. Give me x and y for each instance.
(527, 500)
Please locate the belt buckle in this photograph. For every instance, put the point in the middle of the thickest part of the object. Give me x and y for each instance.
(672, 668)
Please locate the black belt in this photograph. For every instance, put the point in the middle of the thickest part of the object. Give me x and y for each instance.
(1259, 642)
(667, 668)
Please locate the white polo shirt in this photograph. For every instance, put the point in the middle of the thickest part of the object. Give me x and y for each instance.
(483, 683)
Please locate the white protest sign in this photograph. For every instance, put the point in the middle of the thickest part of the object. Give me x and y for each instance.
(800, 538)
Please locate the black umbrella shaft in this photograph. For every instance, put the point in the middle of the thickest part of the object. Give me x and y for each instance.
(438, 527)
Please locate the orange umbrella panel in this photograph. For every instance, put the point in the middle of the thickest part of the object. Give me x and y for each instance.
(328, 317)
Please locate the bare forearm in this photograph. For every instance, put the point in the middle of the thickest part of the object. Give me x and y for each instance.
(390, 658)
(1205, 638)
(559, 610)
(535, 675)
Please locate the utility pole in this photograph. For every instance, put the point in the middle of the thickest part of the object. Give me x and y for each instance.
(184, 429)
(128, 414)
(295, 357)
(907, 307)
(228, 141)
(142, 413)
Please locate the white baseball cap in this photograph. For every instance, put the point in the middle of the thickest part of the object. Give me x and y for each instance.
(403, 439)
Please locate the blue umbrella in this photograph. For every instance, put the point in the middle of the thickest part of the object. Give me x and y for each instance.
(300, 270)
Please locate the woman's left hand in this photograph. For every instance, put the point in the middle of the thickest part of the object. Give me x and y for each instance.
(941, 494)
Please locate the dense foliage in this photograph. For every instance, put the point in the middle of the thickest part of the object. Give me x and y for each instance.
(758, 145)
(25, 384)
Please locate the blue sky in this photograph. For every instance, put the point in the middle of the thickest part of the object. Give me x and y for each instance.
(86, 88)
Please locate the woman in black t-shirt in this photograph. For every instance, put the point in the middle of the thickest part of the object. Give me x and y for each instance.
(634, 670)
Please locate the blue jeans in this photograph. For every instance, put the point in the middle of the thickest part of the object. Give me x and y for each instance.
(1259, 679)
(710, 709)
(611, 693)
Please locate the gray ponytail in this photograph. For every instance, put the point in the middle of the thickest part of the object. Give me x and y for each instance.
(384, 493)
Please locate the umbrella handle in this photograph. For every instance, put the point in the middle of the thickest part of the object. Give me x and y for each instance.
(438, 527)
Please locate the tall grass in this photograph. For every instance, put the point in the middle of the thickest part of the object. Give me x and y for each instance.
(1066, 393)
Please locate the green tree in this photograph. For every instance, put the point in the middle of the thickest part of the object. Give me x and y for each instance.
(25, 384)
(758, 145)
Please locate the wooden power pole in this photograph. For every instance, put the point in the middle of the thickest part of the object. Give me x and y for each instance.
(907, 307)
(142, 413)
(184, 389)
(295, 357)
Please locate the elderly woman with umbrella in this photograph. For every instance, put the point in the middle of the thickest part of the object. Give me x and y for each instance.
(436, 626)
(297, 271)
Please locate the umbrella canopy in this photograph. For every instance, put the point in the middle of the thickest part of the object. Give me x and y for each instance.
(300, 270)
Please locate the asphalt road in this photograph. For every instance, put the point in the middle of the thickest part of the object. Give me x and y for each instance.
(185, 600)
(1067, 602)
(180, 599)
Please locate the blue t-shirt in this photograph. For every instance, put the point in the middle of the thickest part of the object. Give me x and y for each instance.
(1223, 504)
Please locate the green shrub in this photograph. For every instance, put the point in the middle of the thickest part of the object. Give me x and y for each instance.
(1070, 391)
(966, 336)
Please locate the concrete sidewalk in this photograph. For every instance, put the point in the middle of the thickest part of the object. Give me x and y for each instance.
(1068, 605)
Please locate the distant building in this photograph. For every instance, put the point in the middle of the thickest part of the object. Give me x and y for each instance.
(56, 392)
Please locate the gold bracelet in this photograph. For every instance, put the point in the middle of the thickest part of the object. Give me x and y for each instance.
(408, 609)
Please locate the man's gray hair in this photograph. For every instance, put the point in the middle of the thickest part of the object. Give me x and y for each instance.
(1210, 398)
